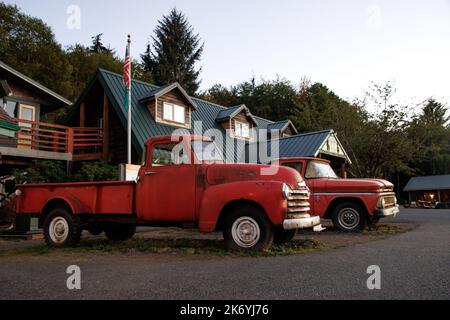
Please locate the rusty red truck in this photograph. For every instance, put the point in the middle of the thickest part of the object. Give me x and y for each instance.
(183, 179)
(350, 203)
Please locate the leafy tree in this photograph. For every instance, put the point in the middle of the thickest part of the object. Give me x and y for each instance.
(28, 45)
(174, 53)
(431, 135)
(275, 100)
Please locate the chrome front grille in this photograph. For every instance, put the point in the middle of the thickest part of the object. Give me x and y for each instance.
(298, 203)
(389, 201)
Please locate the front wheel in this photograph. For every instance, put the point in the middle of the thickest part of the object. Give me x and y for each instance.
(61, 229)
(119, 232)
(349, 217)
(247, 229)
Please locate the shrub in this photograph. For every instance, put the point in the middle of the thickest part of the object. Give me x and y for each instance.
(42, 171)
(96, 171)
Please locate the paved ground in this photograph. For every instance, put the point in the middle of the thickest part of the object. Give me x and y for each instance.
(414, 265)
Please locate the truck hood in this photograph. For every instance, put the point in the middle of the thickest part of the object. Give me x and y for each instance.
(352, 185)
(227, 173)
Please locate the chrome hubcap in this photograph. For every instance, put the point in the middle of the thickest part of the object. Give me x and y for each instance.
(349, 218)
(59, 230)
(246, 232)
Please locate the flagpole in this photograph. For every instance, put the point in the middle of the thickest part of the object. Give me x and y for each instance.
(129, 106)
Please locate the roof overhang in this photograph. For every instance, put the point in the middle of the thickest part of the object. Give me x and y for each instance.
(232, 112)
(34, 84)
(159, 92)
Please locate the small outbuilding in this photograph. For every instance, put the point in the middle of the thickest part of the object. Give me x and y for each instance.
(429, 189)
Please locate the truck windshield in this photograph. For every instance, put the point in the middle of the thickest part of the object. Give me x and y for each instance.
(318, 169)
(207, 151)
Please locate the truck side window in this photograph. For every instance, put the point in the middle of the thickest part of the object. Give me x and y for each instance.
(298, 166)
(169, 155)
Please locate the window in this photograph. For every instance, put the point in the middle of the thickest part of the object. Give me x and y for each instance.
(298, 166)
(318, 169)
(207, 151)
(241, 130)
(169, 155)
(173, 112)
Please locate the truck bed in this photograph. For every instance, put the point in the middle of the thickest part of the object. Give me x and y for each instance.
(116, 197)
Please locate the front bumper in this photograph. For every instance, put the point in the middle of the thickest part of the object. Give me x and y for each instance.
(389, 212)
(302, 223)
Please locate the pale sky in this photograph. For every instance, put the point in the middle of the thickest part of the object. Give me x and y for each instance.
(343, 44)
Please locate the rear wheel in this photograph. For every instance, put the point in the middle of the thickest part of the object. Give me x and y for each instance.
(247, 229)
(349, 217)
(119, 232)
(61, 229)
(282, 236)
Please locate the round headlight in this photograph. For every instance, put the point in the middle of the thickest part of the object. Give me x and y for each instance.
(286, 191)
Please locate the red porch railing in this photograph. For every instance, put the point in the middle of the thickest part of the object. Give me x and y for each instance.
(55, 138)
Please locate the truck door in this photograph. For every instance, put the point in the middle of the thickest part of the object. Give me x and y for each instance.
(166, 189)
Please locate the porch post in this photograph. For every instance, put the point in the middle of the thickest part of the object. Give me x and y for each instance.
(344, 170)
(105, 128)
(82, 115)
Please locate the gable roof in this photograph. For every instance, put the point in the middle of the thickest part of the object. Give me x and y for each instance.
(302, 145)
(281, 126)
(428, 183)
(232, 112)
(160, 91)
(35, 84)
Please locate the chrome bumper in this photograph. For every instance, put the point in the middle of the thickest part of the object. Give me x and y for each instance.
(302, 223)
(389, 212)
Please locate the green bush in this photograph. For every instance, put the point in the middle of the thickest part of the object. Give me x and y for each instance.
(42, 171)
(96, 171)
(46, 171)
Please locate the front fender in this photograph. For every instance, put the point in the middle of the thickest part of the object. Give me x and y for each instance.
(267, 194)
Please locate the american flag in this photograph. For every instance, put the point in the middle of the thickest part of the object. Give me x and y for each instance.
(127, 66)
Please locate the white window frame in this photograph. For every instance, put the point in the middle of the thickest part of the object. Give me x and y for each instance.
(172, 109)
(238, 132)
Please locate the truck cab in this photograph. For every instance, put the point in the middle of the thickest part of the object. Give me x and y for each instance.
(350, 203)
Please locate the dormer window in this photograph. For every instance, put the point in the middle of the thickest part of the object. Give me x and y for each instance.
(174, 113)
(242, 130)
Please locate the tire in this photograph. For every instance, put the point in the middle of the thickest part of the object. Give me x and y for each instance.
(247, 228)
(95, 228)
(62, 229)
(119, 232)
(282, 236)
(349, 217)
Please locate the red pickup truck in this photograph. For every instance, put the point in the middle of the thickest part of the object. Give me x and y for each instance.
(183, 180)
(350, 203)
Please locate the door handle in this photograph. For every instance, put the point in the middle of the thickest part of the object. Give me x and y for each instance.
(149, 173)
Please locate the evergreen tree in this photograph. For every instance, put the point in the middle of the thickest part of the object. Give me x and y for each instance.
(97, 45)
(174, 53)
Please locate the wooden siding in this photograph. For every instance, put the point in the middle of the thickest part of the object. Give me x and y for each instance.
(174, 98)
(230, 124)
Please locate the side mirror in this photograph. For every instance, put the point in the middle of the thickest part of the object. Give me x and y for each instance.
(10, 186)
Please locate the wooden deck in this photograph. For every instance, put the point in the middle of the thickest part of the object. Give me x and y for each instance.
(41, 140)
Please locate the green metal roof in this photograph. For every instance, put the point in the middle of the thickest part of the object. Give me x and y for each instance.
(281, 125)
